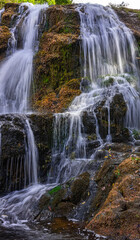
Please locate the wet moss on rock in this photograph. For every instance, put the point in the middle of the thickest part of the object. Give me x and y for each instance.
(10, 14)
(4, 37)
(58, 60)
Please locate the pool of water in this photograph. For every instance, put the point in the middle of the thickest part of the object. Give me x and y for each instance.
(66, 231)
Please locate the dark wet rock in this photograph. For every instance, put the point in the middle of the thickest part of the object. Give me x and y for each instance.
(79, 187)
(85, 85)
(63, 200)
(13, 144)
(118, 110)
(119, 132)
(12, 149)
(89, 124)
(42, 126)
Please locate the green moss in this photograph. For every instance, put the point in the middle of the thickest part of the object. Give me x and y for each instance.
(108, 82)
(55, 190)
(57, 198)
(92, 137)
(136, 134)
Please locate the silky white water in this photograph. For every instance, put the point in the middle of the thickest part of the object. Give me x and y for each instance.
(1, 11)
(16, 71)
(15, 86)
(109, 53)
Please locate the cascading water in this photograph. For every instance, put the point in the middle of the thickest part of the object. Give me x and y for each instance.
(109, 58)
(108, 45)
(108, 48)
(1, 11)
(16, 72)
(15, 84)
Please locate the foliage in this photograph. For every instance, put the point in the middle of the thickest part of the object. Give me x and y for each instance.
(50, 2)
(136, 134)
(55, 189)
(63, 2)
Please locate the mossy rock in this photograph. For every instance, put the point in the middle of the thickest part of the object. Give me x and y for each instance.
(60, 100)
(44, 201)
(120, 211)
(79, 187)
(57, 61)
(10, 13)
(4, 37)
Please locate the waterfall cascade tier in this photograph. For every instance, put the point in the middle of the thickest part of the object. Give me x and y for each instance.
(15, 87)
(16, 71)
(109, 69)
(108, 45)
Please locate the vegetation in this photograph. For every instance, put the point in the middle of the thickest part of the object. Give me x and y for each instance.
(50, 2)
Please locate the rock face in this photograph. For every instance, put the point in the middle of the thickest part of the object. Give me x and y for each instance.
(120, 213)
(42, 126)
(131, 19)
(57, 64)
(13, 137)
(10, 14)
(65, 200)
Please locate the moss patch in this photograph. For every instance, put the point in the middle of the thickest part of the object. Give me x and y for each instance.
(10, 13)
(4, 37)
(58, 102)
(57, 61)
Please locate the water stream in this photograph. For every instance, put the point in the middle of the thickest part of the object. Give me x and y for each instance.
(109, 67)
(15, 97)
(15, 87)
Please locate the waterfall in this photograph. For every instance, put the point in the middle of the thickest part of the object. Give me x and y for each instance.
(1, 11)
(108, 45)
(110, 68)
(15, 87)
(16, 71)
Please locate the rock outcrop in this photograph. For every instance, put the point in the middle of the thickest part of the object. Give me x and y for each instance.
(119, 215)
(10, 14)
(4, 37)
(57, 63)
(13, 138)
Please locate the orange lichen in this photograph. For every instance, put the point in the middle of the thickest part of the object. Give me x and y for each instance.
(120, 213)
